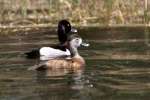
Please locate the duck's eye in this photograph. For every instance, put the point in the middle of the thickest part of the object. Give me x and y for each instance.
(77, 39)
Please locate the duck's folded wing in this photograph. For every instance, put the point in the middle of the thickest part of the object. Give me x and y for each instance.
(51, 53)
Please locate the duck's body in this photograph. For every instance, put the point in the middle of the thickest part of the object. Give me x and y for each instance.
(59, 50)
(46, 53)
(75, 62)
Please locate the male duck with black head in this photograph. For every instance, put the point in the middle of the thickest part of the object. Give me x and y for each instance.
(74, 63)
(59, 50)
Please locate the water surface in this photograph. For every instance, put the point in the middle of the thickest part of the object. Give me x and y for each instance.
(117, 67)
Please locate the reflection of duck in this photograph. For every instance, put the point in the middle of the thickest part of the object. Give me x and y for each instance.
(64, 28)
(75, 62)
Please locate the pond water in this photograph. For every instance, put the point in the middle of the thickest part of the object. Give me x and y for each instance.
(117, 67)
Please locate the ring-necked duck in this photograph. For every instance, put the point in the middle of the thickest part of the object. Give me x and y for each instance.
(64, 28)
(75, 62)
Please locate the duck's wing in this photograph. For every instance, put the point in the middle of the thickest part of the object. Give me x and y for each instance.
(47, 53)
(50, 64)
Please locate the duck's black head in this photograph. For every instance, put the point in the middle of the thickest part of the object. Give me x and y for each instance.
(64, 28)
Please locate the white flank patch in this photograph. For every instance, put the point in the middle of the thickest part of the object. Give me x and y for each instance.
(51, 53)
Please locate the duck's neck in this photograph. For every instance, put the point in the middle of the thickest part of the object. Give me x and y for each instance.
(74, 51)
(76, 56)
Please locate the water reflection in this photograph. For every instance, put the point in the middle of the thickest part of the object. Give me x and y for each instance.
(74, 76)
(59, 84)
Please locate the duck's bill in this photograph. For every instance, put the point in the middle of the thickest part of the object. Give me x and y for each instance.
(85, 44)
(74, 30)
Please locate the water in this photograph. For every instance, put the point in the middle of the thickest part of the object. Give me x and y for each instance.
(117, 67)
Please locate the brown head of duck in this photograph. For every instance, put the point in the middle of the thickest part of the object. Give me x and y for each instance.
(75, 62)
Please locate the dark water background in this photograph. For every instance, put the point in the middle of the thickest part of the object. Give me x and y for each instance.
(117, 67)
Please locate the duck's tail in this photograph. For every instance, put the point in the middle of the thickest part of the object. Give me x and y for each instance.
(33, 54)
(38, 67)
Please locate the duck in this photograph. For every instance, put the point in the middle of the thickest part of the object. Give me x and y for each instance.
(59, 50)
(75, 62)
